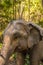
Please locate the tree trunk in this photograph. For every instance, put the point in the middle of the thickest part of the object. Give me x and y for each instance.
(42, 2)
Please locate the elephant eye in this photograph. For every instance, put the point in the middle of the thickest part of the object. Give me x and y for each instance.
(16, 36)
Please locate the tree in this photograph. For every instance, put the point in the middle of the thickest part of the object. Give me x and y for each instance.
(42, 2)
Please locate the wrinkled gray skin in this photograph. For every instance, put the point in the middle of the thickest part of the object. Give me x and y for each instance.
(19, 37)
(36, 56)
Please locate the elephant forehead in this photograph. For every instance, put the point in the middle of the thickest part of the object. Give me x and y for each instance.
(15, 27)
(18, 28)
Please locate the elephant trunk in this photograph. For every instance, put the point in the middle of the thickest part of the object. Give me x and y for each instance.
(5, 49)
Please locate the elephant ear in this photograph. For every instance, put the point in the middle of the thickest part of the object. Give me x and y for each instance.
(34, 36)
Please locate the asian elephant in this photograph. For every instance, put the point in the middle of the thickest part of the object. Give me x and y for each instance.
(19, 37)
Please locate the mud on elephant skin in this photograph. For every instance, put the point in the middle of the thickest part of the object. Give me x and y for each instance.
(18, 37)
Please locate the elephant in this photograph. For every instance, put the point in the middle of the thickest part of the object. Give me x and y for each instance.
(19, 37)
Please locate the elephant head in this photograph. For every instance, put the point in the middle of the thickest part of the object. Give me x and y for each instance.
(18, 36)
(15, 31)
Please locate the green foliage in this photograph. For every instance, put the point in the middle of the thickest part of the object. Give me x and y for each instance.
(11, 9)
(40, 23)
(0, 45)
(27, 62)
